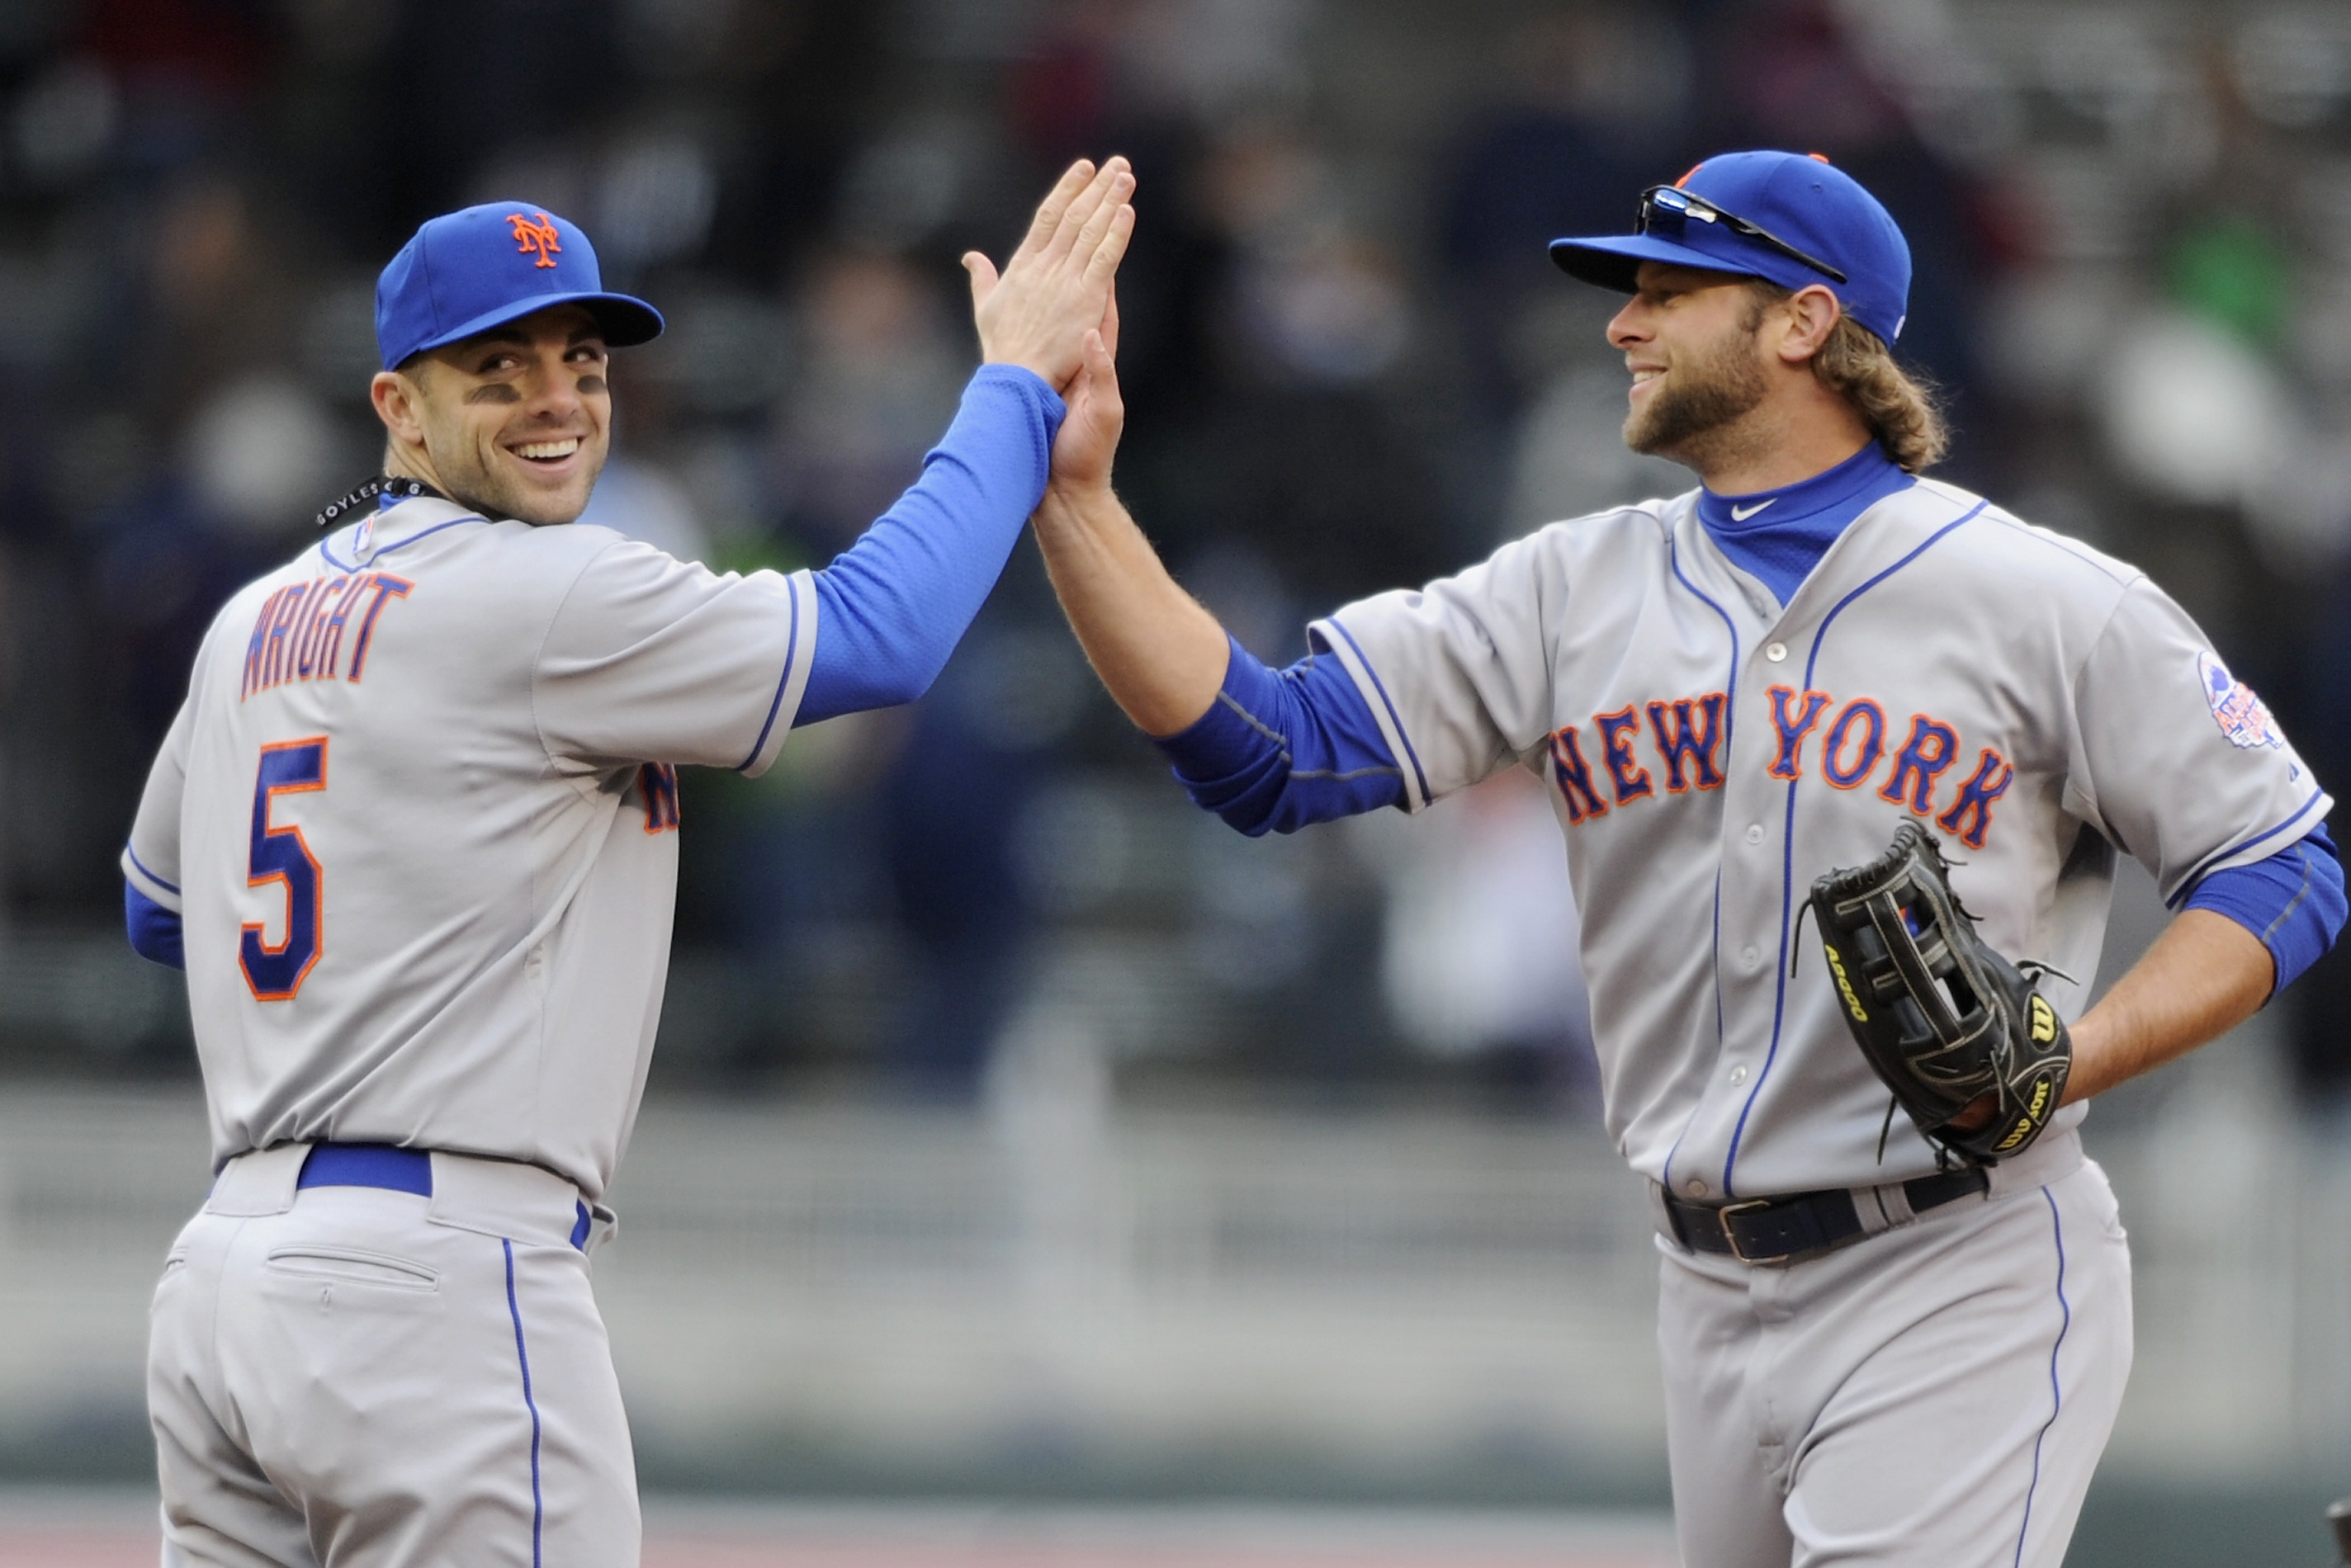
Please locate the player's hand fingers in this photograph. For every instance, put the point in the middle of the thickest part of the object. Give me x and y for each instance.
(1110, 247)
(1108, 331)
(1977, 1114)
(1101, 375)
(1087, 203)
(1115, 191)
(1083, 452)
(982, 277)
(1048, 221)
(1073, 214)
(1099, 222)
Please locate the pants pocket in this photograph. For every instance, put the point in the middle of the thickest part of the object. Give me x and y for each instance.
(352, 1265)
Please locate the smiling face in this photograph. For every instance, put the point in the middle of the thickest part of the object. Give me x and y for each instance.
(1689, 338)
(514, 421)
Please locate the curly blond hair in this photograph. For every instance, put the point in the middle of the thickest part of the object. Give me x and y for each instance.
(1903, 411)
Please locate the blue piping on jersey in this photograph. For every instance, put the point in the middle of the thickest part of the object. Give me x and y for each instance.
(1788, 845)
(791, 651)
(382, 550)
(2187, 884)
(172, 886)
(1731, 708)
(1729, 723)
(2079, 557)
(380, 553)
(1394, 718)
(538, 1503)
(2056, 1390)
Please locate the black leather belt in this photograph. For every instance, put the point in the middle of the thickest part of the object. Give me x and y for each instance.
(1803, 1224)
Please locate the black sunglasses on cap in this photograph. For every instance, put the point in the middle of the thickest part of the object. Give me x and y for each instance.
(1671, 206)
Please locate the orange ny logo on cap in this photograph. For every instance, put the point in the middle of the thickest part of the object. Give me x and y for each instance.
(535, 237)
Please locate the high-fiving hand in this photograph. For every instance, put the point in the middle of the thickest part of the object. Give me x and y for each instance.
(1097, 416)
(1056, 288)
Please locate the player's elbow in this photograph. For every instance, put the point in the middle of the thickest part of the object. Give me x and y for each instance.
(910, 678)
(155, 930)
(1252, 822)
(1247, 806)
(863, 667)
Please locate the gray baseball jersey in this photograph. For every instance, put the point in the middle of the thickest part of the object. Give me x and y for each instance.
(418, 819)
(1709, 752)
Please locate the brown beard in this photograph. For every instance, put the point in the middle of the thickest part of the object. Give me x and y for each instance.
(1699, 396)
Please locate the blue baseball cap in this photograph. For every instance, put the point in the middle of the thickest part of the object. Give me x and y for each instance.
(1771, 215)
(467, 271)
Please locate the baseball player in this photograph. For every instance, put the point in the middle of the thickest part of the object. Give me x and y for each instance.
(413, 838)
(1874, 1353)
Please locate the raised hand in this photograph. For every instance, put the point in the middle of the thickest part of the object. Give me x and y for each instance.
(1056, 287)
(1097, 416)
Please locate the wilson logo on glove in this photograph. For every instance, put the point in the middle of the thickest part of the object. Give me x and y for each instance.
(2035, 1117)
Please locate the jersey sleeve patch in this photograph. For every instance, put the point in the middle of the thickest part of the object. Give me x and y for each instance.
(2243, 717)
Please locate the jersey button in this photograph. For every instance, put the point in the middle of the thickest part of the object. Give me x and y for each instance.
(1694, 1186)
(1755, 833)
(1775, 651)
(1738, 1076)
(1749, 957)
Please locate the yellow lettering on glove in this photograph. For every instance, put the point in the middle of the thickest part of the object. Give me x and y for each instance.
(2031, 1117)
(1845, 986)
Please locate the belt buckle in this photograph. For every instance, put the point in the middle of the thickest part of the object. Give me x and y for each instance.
(1730, 1237)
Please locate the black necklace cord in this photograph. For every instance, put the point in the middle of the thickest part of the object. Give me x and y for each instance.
(399, 486)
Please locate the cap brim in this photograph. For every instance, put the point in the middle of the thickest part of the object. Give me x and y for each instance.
(627, 321)
(1614, 261)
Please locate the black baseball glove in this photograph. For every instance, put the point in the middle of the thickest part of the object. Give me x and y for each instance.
(1944, 1019)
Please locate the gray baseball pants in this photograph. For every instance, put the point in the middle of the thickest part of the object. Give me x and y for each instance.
(350, 1378)
(1936, 1395)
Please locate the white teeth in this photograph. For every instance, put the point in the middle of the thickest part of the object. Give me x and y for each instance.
(564, 448)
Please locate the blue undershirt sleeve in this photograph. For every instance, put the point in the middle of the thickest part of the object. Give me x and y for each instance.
(2294, 901)
(892, 605)
(1277, 751)
(154, 930)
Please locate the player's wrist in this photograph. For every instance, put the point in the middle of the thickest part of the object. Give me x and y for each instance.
(1037, 364)
(1078, 496)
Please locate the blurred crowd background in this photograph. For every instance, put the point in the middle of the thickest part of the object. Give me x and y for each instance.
(1349, 366)
(1349, 363)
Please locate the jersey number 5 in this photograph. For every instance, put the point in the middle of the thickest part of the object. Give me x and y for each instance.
(281, 855)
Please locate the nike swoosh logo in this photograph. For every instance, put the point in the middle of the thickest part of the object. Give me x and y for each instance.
(1741, 514)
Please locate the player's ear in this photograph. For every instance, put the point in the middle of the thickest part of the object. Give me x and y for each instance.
(396, 397)
(1812, 315)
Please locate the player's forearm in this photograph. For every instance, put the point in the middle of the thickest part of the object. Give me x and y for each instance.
(1160, 653)
(895, 602)
(2204, 976)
